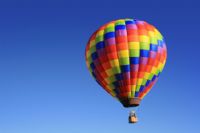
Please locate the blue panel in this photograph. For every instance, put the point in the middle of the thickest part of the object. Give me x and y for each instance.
(154, 77)
(148, 82)
(109, 35)
(94, 56)
(153, 47)
(160, 43)
(144, 53)
(125, 68)
(92, 66)
(130, 22)
(136, 94)
(134, 60)
(119, 76)
(141, 88)
(100, 45)
(120, 27)
(116, 84)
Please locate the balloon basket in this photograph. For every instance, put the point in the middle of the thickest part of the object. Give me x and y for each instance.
(133, 119)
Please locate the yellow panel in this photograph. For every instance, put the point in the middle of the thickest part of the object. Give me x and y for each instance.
(110, 25)
(160, 66)
(146, 75)
(92, 43)
(133, 89)
(158, 34)
(129, 94)
(109, 72)
(123, 53)
(151, 34)
(107, 81)
(139, 82)
(144, 38)
(113, 94)
(88, 53)
(114, 63)
(134, 45)
(153, 70)
(100, 33)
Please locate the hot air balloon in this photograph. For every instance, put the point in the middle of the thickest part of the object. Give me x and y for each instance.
(126, 57)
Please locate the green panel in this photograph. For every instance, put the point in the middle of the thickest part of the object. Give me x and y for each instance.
(98, 39)
(111, 86)
(138, 88)
(116, 70)
(144, 81)
(160, 37)
(89, 59)
(144, 45)
(134, 52)
(157, 71)
(120, 22)
(153, 40)
(112, 79)
(133, 93)
(93, 49)
(151, 76)
(110, 29)
(124, 61)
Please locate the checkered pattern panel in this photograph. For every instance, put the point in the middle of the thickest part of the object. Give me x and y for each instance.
(126, 57)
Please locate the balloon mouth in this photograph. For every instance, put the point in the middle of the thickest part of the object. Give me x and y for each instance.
(130, 102)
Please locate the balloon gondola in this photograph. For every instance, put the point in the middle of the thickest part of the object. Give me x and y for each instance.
(126, 57)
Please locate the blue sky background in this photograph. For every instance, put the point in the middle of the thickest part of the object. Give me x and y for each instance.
(45, 86)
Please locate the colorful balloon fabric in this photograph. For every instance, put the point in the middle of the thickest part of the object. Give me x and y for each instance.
(126, 57)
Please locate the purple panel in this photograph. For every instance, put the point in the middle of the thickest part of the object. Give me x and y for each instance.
(126, 75)
(131, 26)
(143, 60)
(110, 41)
(134, 68)
(121, 33)
(152, 54)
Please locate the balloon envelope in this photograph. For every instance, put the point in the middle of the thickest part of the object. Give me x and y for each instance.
(126, 57)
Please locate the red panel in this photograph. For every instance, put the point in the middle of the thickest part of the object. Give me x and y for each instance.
(151, 61)
(106, 65)
(141, 25)
(123, 95)
(132, 32)
(142, 68)
(142, 32)
(148, 68)
(149, 27)
(134, 81)
(133, 38)
(122, 46)
(121, 39)
(111, 48)
(112, 56)
(103, 58)
(134, 74)
(141, 75)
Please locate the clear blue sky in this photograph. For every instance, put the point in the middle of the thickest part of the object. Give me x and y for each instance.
(45, 86)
